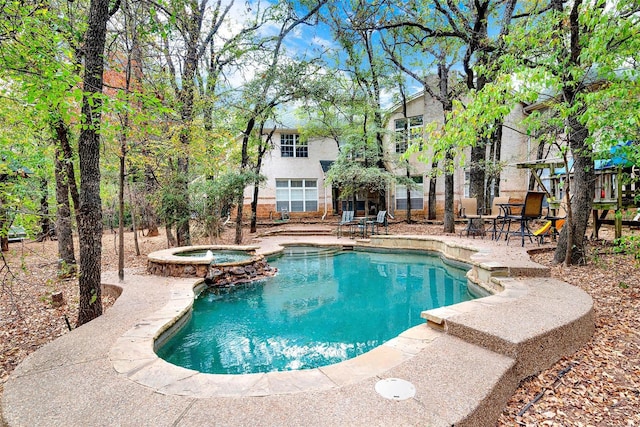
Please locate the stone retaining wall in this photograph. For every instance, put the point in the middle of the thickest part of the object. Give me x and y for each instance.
(223, 275)
(228, 276)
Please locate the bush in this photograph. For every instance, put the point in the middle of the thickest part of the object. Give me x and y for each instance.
(629, 245)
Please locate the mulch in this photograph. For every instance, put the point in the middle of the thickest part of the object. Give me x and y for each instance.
(597, 386)
(600, 384)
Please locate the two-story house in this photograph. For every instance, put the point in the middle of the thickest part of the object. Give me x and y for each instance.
(295, 169)
(402, 130)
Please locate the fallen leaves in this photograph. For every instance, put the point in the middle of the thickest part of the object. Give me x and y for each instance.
(603, 388)
(28, 317)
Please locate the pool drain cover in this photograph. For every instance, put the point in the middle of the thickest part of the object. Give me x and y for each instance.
(395, 389)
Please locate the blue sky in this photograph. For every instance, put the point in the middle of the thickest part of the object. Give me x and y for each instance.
(306, 41)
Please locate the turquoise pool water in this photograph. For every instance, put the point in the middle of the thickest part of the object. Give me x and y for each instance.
(218, 256)
(318, 310)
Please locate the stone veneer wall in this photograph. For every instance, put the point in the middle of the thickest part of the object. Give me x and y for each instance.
(167, 269)
(228, 276)
(216, 275)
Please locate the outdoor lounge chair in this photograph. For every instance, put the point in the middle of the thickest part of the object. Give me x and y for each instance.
(347, 220)
(550, 228)
(531, 210)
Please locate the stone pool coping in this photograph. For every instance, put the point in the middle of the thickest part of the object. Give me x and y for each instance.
(166, 263)
(465, 363)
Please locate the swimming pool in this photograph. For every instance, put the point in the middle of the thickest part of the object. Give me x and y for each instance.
(320, 309)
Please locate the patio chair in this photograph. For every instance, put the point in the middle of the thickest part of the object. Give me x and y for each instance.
(469, 211)
(531, 210)
(347, 220)
(468, 206)
(381, 220)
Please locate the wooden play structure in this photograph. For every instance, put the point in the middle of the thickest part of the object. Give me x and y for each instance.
(617, 191)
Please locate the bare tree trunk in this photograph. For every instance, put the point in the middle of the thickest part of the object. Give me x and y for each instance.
(238, 240)
(254, 210)
(90, 212)
(264, 146)
(409, 220)
(449, 219)
(183, 213)
(571, 245)
(66, 255)
(4, 239)
(477, 172)
(171, 240)
(121, 208)
(406, 141)
(45, 221)
(134, 223)
(62, 131)
(149, 211)
(186, 97)
(496, 148)
(432, 202)
(244, 163)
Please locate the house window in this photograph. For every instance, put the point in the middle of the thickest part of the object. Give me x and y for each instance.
(297, 195)
(467, 182)
(417, 195)
(291, 146)
(408, 135)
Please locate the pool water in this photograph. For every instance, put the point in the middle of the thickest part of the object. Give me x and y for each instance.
(317, 311)
(219, 256)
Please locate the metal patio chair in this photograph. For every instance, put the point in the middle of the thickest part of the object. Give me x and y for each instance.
(347, 220)
(531, 210)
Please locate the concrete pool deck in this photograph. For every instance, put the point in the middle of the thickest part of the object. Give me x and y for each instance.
(464, 365)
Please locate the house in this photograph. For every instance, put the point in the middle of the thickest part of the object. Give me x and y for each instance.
(421, 110)
(295, 169)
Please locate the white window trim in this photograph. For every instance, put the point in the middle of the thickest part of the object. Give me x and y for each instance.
(416, 193)
(405, 137)
(293, 141)
(305, 191)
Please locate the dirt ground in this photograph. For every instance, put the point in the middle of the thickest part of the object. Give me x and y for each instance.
(597, 386)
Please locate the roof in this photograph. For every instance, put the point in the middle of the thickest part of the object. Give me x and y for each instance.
(326, 164)
(286, 119)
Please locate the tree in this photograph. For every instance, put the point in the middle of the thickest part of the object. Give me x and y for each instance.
(186, 19)
(353, 172)
(277, 83)
(90, 213)
(221, 192)
(128, 102)
(581, 52)
(22, 168)
(363, 75)
(352, 26)
(43, 66)
(441, 54)
(339, 109)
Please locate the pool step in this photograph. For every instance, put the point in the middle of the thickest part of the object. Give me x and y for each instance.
(307, 231)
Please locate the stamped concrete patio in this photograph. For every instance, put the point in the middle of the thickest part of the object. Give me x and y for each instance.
(465, 361)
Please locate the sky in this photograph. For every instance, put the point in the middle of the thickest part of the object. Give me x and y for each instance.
(305, 41)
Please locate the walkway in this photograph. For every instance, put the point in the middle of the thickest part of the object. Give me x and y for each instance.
(464, 368)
